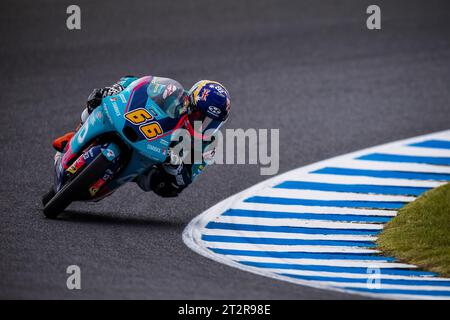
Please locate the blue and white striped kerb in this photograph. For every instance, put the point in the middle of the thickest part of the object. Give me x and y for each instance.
(317, 225)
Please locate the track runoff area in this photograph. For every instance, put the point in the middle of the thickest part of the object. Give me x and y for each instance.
(317, 225)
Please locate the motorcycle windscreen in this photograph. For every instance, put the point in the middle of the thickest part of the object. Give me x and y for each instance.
(167, 94)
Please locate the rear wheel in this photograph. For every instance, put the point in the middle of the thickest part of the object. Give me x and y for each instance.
(78, 185)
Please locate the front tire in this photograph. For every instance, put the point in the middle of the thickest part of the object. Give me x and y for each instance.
(79, 184)
(48, 196)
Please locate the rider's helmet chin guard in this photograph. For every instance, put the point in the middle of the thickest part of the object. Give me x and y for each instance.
(209, 106)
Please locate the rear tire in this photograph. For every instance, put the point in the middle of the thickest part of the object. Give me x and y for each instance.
(79, 184)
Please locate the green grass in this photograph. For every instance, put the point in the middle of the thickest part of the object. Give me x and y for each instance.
(420, 233)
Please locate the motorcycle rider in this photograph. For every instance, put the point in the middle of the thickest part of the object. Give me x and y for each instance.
(207, 101)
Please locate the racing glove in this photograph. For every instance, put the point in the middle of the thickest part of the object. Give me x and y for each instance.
(166, 180)
(94, 99)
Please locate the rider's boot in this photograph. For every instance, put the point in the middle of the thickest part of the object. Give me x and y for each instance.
(61, 142)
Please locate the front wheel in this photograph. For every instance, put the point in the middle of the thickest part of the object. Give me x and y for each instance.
(79, 184)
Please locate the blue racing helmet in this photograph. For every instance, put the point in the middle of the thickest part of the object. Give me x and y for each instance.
(209, 102)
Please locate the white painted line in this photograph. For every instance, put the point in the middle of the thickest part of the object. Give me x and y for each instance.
(280, 235)
(311, 209)
(390, 166)
(340, 179)
(299, 223)
(325, 262)
(353, 275)
(419, 152)
(288, 248)
(328, 195)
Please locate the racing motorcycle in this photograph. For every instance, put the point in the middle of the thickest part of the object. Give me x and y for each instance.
(126, 135)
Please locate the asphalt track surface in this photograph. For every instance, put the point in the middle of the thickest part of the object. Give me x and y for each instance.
(309, 68)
